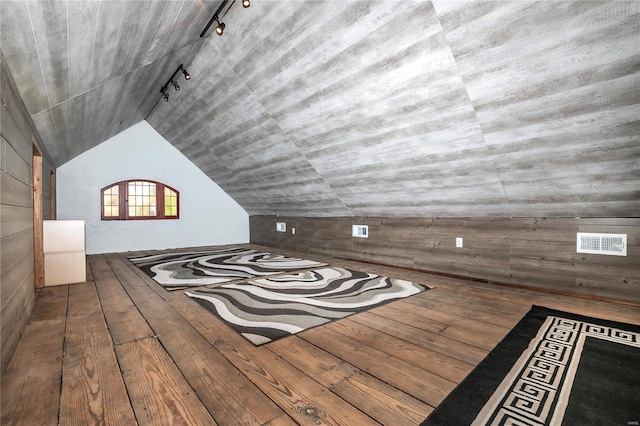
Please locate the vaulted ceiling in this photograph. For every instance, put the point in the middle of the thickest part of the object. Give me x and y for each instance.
(378, 108)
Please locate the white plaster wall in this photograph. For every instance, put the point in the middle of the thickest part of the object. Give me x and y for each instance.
(208, 216)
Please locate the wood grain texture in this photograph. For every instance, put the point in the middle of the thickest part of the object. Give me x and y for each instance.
(17, 280)
(31, 382)
(375, 367)
(400, 109)
(93, 390)
(381, 401)
(125, 321)
(228, 395)
(38, 217)
(159, 393)
(88, 70)
(534, 252)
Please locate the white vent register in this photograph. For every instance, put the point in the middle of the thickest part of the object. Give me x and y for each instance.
(611, 244)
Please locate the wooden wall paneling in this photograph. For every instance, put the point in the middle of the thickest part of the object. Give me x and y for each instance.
(14, 219)
(18, 136)
(531, 252)
(16, 302)
(15, 192)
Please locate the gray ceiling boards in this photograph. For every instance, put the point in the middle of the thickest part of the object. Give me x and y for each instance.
(368, 108)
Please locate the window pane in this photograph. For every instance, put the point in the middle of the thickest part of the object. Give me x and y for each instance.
(142, 199)
(111, 202)
(170, 202)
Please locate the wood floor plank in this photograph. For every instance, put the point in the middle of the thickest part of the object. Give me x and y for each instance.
(422, 384)
(125, 322)
(381, 401)
(469, 349)
(228, 395)
(405, 330)
(473, 310)
(325, 368)
(304, 399)
(422, 358)
(93, 391)
(389, 365)
(30, 386)
(159, 393)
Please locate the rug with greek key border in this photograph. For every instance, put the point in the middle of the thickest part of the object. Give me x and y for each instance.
(553, 368)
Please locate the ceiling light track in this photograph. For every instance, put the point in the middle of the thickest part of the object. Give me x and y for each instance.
(165, 89)
(216, 17)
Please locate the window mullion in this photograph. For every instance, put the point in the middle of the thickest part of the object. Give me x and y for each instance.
(160, 200)
(124, 200)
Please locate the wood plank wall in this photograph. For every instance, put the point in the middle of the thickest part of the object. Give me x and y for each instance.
(532, 252)
(18, 134)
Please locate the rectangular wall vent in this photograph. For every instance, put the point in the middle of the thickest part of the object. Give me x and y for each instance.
(281, 226)
(611, 244)
(361, 231)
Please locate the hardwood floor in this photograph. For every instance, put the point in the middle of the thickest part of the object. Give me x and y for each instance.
(119, 349)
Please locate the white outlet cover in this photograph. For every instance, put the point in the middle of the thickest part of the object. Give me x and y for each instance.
(293, 230)
(458, 241)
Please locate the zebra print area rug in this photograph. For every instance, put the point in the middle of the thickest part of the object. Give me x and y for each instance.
(175, 271)
(268, 309)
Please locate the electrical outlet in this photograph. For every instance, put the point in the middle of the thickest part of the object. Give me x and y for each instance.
(458, 241)
(293, 230)
(361, 231)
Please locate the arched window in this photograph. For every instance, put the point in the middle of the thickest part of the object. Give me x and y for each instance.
(139, 200)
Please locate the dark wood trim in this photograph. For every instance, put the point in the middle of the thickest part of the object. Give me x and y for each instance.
(52, 195)
(38, 245)
(123, 213)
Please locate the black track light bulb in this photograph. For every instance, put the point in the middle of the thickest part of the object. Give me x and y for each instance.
(175, 85)
(186, 75)
(166, 97)
(246, 3)
(220, 28)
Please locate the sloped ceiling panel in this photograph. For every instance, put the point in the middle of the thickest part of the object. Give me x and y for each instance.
(327, 108)
(357, 108)
(89, 69)
(419, 108)
(556, 91)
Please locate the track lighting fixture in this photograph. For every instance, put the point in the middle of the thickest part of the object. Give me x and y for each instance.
(216, 16)
(220, 28)
(173, 82)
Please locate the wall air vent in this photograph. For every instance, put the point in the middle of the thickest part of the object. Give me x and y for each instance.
(612, 244)
(281, 226)
(361, 231)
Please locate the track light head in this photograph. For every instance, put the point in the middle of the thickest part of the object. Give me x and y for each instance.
(166, 97)
(175, 85)
(246, 3)
(220, 28)
(187, 76)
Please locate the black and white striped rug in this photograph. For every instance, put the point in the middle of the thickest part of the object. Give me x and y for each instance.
(267, 309)
(175, 271)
